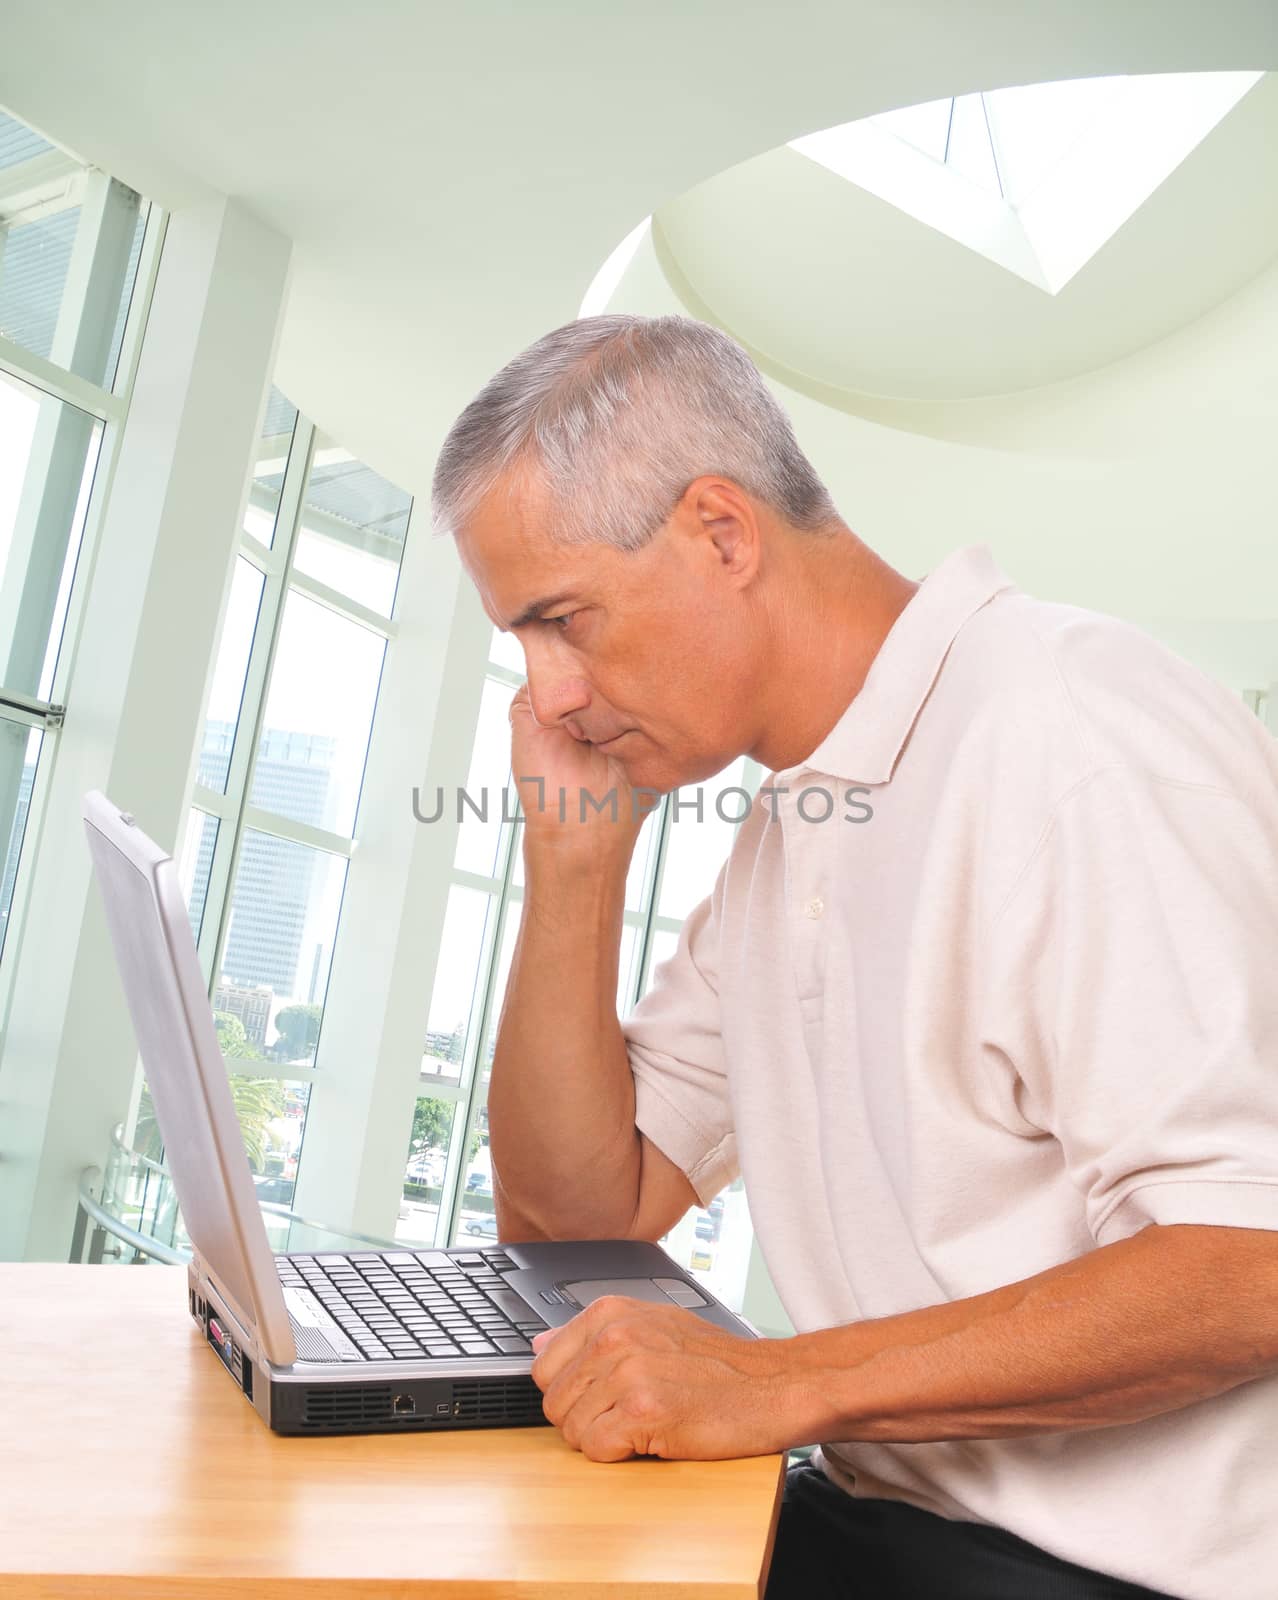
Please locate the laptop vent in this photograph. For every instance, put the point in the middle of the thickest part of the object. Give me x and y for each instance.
(347, 1406)
(508, 1400)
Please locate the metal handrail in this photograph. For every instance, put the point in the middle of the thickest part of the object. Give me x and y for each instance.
(146, 1244)
(143, 1243)
(279, 1210)
(117, 1139)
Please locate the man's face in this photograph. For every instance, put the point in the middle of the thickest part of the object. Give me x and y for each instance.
(645, 655)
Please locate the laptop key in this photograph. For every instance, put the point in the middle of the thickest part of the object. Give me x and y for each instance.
(476, 1347)
(511, 1344)
(514, 1305)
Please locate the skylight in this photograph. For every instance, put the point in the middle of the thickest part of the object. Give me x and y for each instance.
(1037, 178)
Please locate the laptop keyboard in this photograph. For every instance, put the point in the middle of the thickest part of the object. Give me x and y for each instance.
(407, 1305)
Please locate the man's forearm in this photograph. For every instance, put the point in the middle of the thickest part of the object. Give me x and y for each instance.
(561, 1104)
(1146, 1325)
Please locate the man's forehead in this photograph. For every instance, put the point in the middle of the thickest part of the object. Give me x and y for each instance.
(515, 564)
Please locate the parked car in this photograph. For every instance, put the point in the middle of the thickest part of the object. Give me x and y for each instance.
(482, 1227)
(478, 1183)
(710, 1221)
(276, 1188)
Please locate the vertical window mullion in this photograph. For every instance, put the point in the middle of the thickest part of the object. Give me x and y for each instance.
(239, 778)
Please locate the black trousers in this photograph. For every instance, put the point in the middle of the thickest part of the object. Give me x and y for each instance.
(832, 1546)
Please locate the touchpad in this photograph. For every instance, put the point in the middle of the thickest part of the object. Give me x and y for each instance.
(665, 1291)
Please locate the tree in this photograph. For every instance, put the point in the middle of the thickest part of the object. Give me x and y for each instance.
(233, 1039)
(433, 1128)
(257, 1101)
(298, 1032)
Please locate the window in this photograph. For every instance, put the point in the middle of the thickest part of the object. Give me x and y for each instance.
(281, 764)
(78, 252)
(72, 240)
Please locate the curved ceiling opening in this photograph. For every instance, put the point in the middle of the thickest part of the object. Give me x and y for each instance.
(1035, 178)
(985, 243)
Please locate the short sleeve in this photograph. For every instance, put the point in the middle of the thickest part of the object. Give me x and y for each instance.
(1129, 983)
(675, 1042)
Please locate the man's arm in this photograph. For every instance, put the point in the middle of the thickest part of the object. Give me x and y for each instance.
(1149, 1324)
(1154, 1322)
(568, 1161)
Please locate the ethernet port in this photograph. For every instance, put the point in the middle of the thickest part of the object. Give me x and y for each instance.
(404, 1405)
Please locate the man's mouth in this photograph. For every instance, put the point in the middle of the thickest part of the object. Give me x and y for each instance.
(604, 743)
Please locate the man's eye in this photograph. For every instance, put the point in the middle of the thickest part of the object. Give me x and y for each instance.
(563, 619)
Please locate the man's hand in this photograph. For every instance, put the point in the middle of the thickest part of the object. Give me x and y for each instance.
(575, 796)
(627, 1377)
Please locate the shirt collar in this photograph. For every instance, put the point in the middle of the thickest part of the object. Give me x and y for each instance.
(864, 744)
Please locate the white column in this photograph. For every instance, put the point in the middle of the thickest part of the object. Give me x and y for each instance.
(157, 584)
(369, 1061)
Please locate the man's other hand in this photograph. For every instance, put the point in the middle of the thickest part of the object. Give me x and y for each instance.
(627, 1377)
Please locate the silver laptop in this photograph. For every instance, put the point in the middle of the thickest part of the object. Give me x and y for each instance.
(333, 1342)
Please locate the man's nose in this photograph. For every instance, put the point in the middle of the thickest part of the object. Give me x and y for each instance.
(555, 692)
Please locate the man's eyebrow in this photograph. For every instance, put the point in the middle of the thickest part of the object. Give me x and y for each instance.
(532, 612)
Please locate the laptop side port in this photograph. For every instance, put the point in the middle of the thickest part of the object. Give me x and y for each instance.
(404, 1405)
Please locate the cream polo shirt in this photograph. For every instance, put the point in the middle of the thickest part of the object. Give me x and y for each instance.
(1025, 1007)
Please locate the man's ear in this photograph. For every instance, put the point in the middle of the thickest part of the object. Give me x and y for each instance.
(722, 513)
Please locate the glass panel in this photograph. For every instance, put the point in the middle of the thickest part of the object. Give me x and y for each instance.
(506, 651)
(18, 143)
(70, 240)
(456, 975)
(971, 150)
(713, 1243)
(33, 274)
(637, 876)
(509, 933)
(272, 1118)
(353, 527)
(270, 460)
(625, 968)
(319, 713)
(111, 372)
(476, 1217)
(196, 865)
(48, 455)
(926, 127)
(227, 693)
(279, 945)
(696, 847)
(479, 841)
(19, 753)
(435, 1125)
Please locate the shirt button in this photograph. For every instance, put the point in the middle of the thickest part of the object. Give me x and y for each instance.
(814, 907)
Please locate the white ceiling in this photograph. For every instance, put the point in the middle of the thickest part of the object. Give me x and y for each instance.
(845, 291)
(453, 178)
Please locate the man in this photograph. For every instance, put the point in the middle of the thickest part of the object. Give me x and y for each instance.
(982, 1006)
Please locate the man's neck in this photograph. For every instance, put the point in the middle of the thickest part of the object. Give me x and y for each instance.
(840, 603)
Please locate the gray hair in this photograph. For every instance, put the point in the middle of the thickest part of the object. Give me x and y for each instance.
(617, 415)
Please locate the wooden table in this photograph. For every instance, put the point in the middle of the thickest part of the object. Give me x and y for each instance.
(131, 1466)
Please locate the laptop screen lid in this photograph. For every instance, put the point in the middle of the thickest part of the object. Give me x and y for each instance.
(169, 1003)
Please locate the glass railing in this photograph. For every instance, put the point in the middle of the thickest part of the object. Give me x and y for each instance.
(136, 1194)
